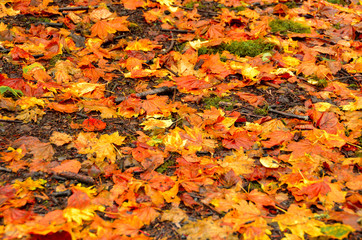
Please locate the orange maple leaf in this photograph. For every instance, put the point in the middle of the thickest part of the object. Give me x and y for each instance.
(65, 108)
(252, 99)
(68, 166)
(239, 138)
(92, 124)
(102, 29)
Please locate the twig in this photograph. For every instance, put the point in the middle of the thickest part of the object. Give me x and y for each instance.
(2, 169)
(310, 37)
(51, 24)
(82, 115)
(199, 10)
(78, 177)
(347, 77)
(177, 30)
(306, 118)
(10, 121)
(230, 59)
(62, 193)
(73, 8)
(172, 71)
(149, 92)
(4, 50)
(171, 45)
(38, 55)
(59, 178)
(238, 105)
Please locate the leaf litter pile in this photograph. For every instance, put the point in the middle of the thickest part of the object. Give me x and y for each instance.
(172, 119)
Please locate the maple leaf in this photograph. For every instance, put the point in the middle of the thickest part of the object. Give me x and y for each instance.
(252, 99)
(191, 84)
(133, 5)
(102, 29)
(59, 138)
(215, 31)
(18, 53)
(152, 124)
(141, 45)
(237, 138)
(28, 185)
(189, 141)
(92, 124)
(33, 145)
(238, 162)
(299, 221)
(99, 149)
(65, 108)
(207, 229)
(276, 138)
(157, 105)
(174, 215)
(68, 166)
(76, 215)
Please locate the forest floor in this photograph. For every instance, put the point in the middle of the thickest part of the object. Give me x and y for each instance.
(180, 119)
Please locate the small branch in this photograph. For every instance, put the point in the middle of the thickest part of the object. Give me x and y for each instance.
(73, 8)
(348, 77)
(78, 177)
(171, 45)
(62, 193)
(82, 115)
(4, 50)
(149, 92)
(238, 105)
(2, 169)
(230, 59)
(199, 10)
(177, 30)
(172, 71)
(306, 118)
(51, 24)
(38, 55)
(10, 121)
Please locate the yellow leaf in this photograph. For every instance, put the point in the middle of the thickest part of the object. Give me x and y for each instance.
(90, 191)
(174, 215)
(322, 106)
(269, 162)
(29, 102)
(238, 162)
(299, 221)
(3, 26)
(59, 138)
(291, 61)
(353, 106)
(79, 215)
(152, 124)
(207, 229)
(196, 44)
(80, 89)
(29, 184)
(250, 72)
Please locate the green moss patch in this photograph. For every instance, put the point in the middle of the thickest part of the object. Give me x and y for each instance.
(285, 26)
(250, 48)
(341, 2)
